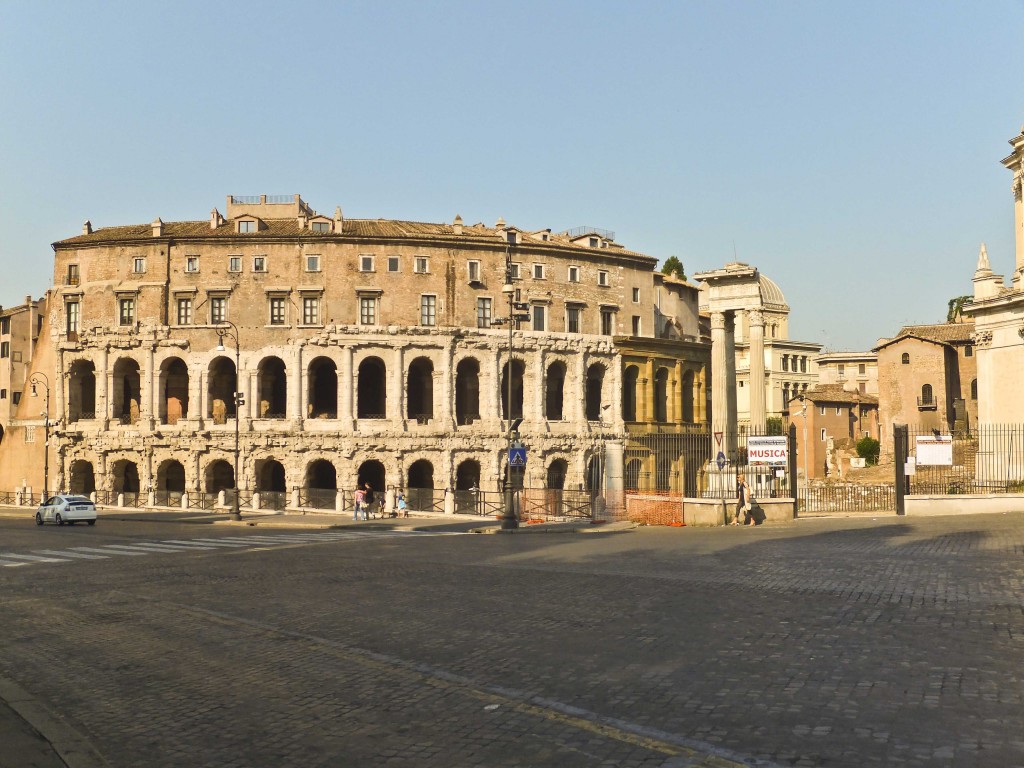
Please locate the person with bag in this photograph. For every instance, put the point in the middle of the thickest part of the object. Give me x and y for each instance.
(743, 500)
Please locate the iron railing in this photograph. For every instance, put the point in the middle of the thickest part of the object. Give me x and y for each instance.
(846, 497)
(168, 498)
(987, 458)
(317, 498)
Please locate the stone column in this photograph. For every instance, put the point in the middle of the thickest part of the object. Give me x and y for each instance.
(103, 384)
(1018, 226)
(346, 382)
(196, 396)
(397, 387)
(495, 397)
(60, 412)
(614, 487)
(758, 413)
(730, 383)
(538, 416)
(719, 374)
(444, 399)
(149, 383)
(295, 413)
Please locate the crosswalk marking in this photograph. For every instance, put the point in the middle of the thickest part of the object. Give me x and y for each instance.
(33, 558)
(110, 549)
(69, 553)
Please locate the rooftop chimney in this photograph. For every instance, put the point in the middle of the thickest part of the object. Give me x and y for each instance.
(158, 227)
(87, 227)
(339, 220)
(457, 225)
(215, 219)
(500, 223)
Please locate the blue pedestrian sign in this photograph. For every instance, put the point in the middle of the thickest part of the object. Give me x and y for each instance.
(720, 461)
(517, 457)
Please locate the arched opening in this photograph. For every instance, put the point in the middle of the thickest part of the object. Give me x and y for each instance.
(467, 391)
(221, 390)
(127, 391)
(81, 390)
(468, 499)
(557, 471)
(420, 492)
(974, 389)
(170, 476)
(595, 382)
(321, 485)
(664, 478)
(686, 396)
(373, 385)
(270, 484)
(926, 394)
(594, 481)
(323, 389)
(905, 359)
(82, 480)
(174, 390)
(126, 477)
(661, 395)
(271, 389)
(629, 380)
(554, 387)
(420, 390)
(518, 370)
(632, 478)
(220, 476)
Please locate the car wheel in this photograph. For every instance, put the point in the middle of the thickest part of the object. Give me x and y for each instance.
(92, 522)
(39, 519)
(59, 519)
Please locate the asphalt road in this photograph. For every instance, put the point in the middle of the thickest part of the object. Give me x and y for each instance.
(852, 642)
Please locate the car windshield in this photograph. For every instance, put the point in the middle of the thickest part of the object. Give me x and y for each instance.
(77, 500)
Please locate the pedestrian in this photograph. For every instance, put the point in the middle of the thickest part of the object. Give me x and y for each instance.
(742, 499)
(367, 500)
(381, 503)
(403, 508)
(360, 499)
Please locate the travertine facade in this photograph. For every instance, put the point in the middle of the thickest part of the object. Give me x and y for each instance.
(367, 349)
(19, 329)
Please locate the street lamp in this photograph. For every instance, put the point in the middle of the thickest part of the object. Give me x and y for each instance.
(230, 330)
(803, 413)
(34, 379)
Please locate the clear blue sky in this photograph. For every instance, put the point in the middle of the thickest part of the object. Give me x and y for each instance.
(850, 150)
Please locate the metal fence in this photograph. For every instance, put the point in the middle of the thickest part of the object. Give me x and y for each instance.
(988, 458)
(846, 497)
(316, 498)
(530, 504)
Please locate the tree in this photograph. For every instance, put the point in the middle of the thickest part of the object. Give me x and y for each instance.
(868, 448)
(673, 266)
(956, 308)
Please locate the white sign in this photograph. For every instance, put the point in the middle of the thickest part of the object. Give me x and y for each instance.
(768, 450)
(935, 450)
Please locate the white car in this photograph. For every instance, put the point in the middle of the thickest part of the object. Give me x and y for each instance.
(63, 508)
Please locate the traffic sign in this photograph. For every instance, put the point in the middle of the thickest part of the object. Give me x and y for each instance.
(720, 461)
(718, 438)
(517, 457)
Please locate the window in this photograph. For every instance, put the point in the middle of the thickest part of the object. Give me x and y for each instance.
(602, 278)
(839, 411)
(574, 274)
(513, 271)
(926, 394)
(636, 295)
(366, 263)
(5, 325)
(234, 263)
(191, 263)
(607, 322)
(511, 237)
(15, 399)
(803, 364)
(421, 265)
(974, 389)
(821, 410)
(312, 263)
(823, 436)
(277, 309)
(321, 226)
(842, 371)
(71, 313)
(863, 388)
(538, 317)
(538, 271)
(310, 310)
(473, 271)
(483, 313)
(5, 349)
(785, 362)
(218, 309)
(139, 265)
(905, 359)
(72, 274)
(246, 227)
(368, 310)
(393, 264)
(126, 310)
(968, 351)
(573, 317)
(3, 394)
(259, 263)
(636, 325)
(593, 242)
(861, 369)
(428, 310)
(185, 311)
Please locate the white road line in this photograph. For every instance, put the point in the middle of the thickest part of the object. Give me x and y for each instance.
(144, 547)
(200, 543)
(159, 547)
(34, 558)
(68, 553)
(111, 550)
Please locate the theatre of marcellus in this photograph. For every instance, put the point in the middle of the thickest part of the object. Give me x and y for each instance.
(363, 351)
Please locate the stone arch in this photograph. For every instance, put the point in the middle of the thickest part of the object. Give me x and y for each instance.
(170, 476)
(420, 389)
(127, 391)
(82, 390)
(222, 383)
(173, 390)
(518, 372)
(594, 481)
(592, 395)
(554, 391)
(467, 391)
(125, 476)
(467, 475)
(373, 388)
(372, 472)
(661, 395)
(421, 474)
(219, 476)
(323, 388)
(82, 478)
(556, 474)
(629, 384)
(322, 475)
(631, 479)
(270, 476)
(271, 388)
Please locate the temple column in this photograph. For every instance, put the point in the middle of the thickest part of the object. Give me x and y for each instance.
(719, 374)
(755, 321)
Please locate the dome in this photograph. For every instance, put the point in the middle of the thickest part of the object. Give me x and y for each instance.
(771, 294)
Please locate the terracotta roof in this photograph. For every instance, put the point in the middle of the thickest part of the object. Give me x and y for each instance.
(947, 332)
(834, 393)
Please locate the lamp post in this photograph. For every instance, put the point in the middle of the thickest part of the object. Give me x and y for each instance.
(230, 330)
(806, 447)
(34, 379)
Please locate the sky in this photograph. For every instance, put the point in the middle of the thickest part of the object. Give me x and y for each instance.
(849, 150)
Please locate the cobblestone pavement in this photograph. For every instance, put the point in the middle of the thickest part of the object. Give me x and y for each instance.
(844, 642)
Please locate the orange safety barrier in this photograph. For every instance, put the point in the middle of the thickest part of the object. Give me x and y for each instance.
(655, 508)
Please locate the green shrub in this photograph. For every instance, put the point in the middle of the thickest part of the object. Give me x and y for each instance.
(773, 426)
(868, 449)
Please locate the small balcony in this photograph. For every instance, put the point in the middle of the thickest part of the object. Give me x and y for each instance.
(927, 404)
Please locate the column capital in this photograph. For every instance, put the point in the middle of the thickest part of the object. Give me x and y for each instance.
(718, 321)
(755, 317)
